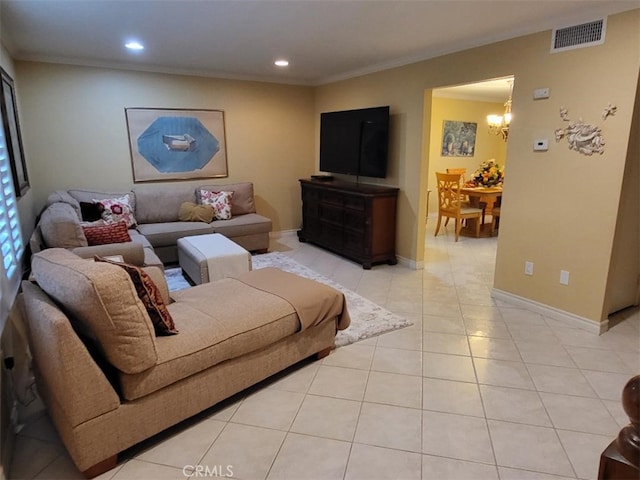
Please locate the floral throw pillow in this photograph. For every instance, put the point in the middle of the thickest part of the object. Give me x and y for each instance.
(220, 201)
(117, 210)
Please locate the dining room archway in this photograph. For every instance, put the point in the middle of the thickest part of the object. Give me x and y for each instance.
(460, 137)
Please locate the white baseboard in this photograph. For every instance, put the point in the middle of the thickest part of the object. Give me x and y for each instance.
(570, 319)
(283, 233)
(407, 262)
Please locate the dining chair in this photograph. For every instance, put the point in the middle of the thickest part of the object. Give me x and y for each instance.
(450, 203)
(465, 199)
(495, 216)
(495, 220)
(461, 171)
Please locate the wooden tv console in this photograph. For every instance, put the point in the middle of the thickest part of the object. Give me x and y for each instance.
(353, 220)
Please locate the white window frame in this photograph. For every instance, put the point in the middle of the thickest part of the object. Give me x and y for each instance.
(11, 243)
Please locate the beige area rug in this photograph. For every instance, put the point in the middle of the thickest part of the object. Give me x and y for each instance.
(367, 318)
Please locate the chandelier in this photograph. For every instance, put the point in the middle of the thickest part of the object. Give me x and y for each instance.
(499, 124)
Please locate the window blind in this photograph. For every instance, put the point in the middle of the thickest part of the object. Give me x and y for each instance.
(10, 234)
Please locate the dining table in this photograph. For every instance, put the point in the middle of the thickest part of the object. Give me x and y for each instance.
(485, 198)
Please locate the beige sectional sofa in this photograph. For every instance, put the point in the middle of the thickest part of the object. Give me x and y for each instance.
(156, 210)
(108, 382)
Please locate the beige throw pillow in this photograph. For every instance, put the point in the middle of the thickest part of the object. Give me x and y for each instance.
(192, 212)
(103, 304)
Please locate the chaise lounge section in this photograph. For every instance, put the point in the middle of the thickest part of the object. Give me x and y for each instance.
(109, 382)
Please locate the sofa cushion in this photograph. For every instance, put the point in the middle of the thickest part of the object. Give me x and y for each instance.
(249, 224)
(116, 210)
(64, 197)
(137, 237)
(220, 201)
(60, 227)
(103, 305)
(161, 203)
(106, 233)
(243, 319)
(150, 296)
(167, 234)
(242, 202)
(192, 212)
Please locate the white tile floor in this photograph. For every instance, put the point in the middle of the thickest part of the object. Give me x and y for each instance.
(473, 390)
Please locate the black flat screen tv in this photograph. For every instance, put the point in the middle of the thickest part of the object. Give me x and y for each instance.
(355, 142)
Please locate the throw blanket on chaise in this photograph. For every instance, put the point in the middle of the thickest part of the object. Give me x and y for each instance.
(314, 302)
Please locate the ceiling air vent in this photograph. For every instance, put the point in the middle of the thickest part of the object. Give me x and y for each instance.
(578, 36)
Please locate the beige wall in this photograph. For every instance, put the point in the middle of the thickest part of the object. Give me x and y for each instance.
(74, 127)
(488, 146)
(560, 207)
(6, 62)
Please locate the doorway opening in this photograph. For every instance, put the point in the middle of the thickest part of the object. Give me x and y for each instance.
(460, 137)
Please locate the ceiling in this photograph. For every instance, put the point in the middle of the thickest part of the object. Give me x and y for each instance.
(324, 40)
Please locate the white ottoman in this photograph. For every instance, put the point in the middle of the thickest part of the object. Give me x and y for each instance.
(205, 258)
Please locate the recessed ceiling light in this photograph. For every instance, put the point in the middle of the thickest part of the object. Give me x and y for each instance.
(134, 46)
(282, 63)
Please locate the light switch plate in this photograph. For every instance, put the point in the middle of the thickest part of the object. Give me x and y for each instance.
(540, 93)
(528, 268)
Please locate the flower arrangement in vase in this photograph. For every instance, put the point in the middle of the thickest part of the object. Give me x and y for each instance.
(488, 174)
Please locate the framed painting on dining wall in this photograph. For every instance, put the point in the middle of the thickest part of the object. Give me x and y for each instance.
(176, 144)
(458, 138)
(11, 129)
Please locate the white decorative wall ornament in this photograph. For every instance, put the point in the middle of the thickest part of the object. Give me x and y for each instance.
(582, 137)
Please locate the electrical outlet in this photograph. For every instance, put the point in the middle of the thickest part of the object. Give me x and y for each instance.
(541, 145)
(528, 268)
(564, 277)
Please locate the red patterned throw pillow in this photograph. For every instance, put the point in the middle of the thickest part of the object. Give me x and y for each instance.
(106, 233)
(220, 201)
(150, 296)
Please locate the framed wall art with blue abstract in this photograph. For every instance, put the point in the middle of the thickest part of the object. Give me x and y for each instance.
(176, 144)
